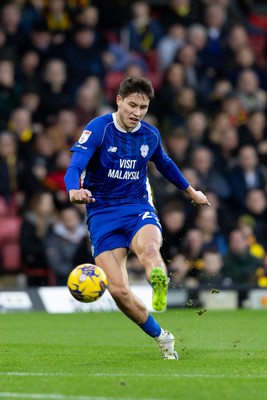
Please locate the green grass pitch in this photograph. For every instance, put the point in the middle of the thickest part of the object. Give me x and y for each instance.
(105, 356)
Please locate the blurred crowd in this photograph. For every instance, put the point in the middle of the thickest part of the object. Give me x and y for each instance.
(61, 62)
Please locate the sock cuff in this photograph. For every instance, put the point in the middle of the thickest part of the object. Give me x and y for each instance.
(151, 327)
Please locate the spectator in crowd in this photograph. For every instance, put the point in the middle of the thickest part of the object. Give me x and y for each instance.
(197, 37)
(211, 273)
(239, 266)
(180, 11)
(256, 206)
(226, 150)
(233, 107)
(212, 237)
(244, 60)
(252, 97)
(9, 184)
(169, 45)
(262, 274)
(30, 100)
(184, 103)
(10, 91)
(88, 100)
(226, 220)
(38, 164)
(218, 124)
(143, 32)
(220, 90)
(177, 144)
(238, 38)
(196, 128)
(55, 93)
(189, 173)
(254, 133)
(116, 57)
(214, 19)
(88, 58)
(187, 56)
(89, 16)
(40, 41)
(10, 18)
(173, 221)
(210, 177)
(246, 175)
(66, 245)
(36, 223)
(6, 51)
(28, 74)
(192, 248)
(57, 17)
(54, 180)
(173, 79)
(247, 224)
(58, 20)
(65, 131)
(20, 124)
(180, 274)
(31, 15)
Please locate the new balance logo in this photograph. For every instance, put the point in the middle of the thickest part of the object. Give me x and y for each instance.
(112, 149)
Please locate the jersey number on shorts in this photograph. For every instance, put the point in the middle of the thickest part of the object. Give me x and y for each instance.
(149, 214)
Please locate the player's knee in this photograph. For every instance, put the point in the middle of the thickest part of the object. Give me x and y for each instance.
(119, 293)
(148, 251)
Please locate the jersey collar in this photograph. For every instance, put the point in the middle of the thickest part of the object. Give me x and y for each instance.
(122, 130)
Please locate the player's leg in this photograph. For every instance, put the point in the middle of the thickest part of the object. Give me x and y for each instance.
(146, 245)
(113, 262)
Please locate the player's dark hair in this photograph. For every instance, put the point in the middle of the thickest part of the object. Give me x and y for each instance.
(140, 85)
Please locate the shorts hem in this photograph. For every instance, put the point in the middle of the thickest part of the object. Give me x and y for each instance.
(109, 248)
(141, 226)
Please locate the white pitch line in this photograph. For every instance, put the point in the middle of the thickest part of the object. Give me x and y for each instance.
(138, 375)
(43, 396)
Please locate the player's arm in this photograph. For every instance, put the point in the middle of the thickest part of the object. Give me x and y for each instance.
(83, 150)
(77, 164)
(170, 171)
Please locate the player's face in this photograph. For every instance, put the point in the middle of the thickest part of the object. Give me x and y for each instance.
(131, 110)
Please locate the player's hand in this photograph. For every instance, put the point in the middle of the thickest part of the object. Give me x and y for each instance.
(81, 196)
(200, 199)
(197, 197)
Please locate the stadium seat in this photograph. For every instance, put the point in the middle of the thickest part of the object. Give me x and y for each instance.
(3, 207)
(258, 43)
(9, 228)
(9, 244)
(10, 257)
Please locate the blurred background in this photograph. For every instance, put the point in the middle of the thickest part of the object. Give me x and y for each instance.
(60, 66)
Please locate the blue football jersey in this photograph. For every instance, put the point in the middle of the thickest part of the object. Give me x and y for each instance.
(117, 167)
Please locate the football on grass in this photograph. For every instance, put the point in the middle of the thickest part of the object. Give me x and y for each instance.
(87, 283)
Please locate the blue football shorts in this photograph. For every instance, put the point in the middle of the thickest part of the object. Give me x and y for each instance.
(113, 227)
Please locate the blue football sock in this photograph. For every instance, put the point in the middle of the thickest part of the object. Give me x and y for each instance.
(151, 327)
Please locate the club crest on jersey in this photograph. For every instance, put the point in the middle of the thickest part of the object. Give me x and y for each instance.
(144, 150)
(84, 136)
